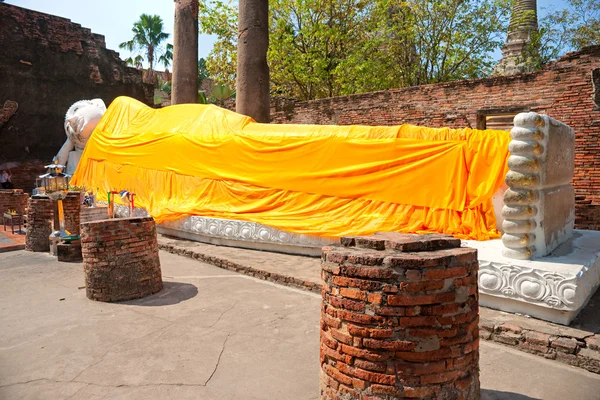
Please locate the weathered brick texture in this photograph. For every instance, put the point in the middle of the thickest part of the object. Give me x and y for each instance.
(564, 90)
(583, 351)
(120, 259)
(72, 209)
(89, 214)
(47, 63)
(40, 220)
(13, 199)
(399, 319)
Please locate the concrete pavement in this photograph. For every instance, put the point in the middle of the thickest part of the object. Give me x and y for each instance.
(210, 334)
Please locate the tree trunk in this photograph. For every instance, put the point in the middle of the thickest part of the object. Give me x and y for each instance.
(252, 97)
(185, 53)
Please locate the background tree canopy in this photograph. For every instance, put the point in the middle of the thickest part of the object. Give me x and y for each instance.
(324, 48)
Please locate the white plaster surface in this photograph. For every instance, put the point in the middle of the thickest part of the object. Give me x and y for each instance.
(553, 288)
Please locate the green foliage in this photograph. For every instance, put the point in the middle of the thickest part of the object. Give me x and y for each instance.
(166, 58)
(564, 30)
(147, 42)
(220, 93)
(162, 91)
(136, 62)
(202, 71)
(327, 48)
(321, 48)
(219, 18)
(202, 97)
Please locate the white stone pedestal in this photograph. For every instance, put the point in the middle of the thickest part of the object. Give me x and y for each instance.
(553, 288)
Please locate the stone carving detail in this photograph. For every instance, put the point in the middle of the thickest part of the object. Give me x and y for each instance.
(539, 204)
(243, 230)
(122, 211)
(523, 179)
(233, 230)
(549, 289)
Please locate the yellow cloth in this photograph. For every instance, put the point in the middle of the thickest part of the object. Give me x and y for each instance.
(313, 179)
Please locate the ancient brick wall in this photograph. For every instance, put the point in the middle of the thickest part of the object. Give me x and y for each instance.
(13, 199)
(46, 64)
(567, 90)
(399, 319)
(120, 259)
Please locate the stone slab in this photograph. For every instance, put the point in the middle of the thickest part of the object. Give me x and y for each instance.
(554, 288)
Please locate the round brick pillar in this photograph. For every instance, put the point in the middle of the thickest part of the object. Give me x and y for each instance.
(40, 217)
(399, 319)
(72, 208)
(120, 259)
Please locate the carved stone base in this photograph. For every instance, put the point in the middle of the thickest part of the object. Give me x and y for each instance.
(553, 288)
(249, 235)
(244, 234)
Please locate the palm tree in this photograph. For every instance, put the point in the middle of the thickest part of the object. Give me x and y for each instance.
(167, 57)
(148, 37)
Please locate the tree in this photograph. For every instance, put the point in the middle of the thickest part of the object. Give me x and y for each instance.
(252, 83)
(185, 65)
(329, 48)
(439, 41)
(202, 71)
(148, 39)
(220, 19)
(166, 58)
(564, 30)
(310, 42)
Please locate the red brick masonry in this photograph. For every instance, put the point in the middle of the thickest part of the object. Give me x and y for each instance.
(72, 209)
(399, 319)
(40, 217)
(13, 199)
(120, 259)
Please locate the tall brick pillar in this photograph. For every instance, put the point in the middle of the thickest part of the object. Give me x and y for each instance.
(399, 319)
(40, 218)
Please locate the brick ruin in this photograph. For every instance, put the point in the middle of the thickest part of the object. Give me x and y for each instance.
(120, 259)
(46, 64)
(567, 89)
(399, 319)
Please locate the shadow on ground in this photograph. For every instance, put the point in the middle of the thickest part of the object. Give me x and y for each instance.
(172, 293)
(487, 394)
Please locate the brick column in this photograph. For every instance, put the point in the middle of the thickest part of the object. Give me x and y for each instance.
(40, 217)
(72, 207)
(399, 319)
(120, 259)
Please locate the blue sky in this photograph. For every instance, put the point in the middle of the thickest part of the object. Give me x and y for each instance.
(114, 18)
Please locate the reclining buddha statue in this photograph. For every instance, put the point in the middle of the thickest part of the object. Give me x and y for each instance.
(80, 120)
(328, 181)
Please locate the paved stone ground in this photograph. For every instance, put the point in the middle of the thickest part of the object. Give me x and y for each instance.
(11, 241)
(210, 334)
(578, 344)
